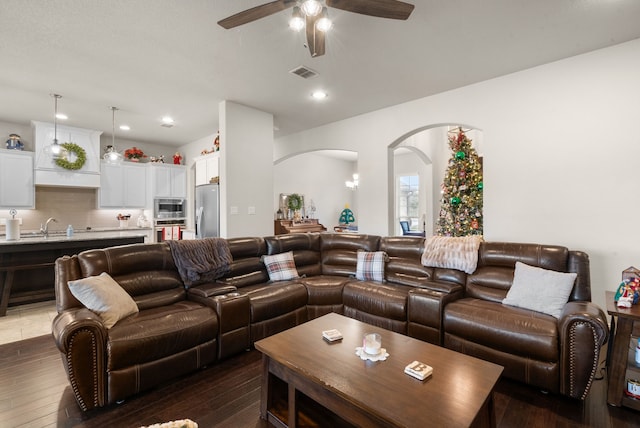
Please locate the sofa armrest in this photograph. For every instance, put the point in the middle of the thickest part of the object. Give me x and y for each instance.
(425, 310)
(210, 289)
(81, 337)
(583, 330)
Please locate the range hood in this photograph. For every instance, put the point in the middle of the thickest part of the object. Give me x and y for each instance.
(48, 173)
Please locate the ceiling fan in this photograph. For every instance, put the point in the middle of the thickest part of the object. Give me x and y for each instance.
(312, 15)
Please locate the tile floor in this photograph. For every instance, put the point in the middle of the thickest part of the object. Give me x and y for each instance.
(26, 321)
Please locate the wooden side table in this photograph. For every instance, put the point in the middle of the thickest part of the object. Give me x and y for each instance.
(619, 351)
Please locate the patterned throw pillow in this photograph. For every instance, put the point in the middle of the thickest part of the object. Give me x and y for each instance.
(281, 267)
(370, 266)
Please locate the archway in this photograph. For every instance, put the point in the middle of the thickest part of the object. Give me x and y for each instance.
(430, 146)
(319, 176)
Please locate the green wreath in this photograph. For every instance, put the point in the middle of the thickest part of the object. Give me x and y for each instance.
(294, 202)
(81, 157)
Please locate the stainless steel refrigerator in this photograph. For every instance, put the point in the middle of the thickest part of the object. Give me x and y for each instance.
(207, 211)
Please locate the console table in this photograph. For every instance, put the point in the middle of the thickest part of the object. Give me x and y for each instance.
(618, 360)
(282, 227)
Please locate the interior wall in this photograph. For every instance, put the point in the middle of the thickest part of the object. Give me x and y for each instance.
(557, 142)
(319, 178)
(246, 171)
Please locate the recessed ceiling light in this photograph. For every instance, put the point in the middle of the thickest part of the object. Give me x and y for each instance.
(167, 120)
(125, 127)
(62, 116)
(319, 95)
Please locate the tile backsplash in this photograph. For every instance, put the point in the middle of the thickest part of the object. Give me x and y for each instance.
(75, 206)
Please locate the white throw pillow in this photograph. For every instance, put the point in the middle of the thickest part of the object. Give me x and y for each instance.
(370, 266)
(540, 290)
(104, 296)
(281, 267)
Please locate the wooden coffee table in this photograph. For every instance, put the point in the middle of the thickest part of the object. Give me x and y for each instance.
(307, 381)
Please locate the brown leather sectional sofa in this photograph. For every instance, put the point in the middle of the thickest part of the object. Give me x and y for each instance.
(181, 329)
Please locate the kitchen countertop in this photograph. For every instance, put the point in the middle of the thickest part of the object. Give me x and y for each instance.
(34, 237)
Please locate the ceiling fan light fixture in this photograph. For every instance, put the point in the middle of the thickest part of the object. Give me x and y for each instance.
(296, 22)
(324, 23)
(311, 7)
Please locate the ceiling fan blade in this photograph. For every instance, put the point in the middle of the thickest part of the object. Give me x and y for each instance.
(392, 9)
(315, 38)
(256, 13)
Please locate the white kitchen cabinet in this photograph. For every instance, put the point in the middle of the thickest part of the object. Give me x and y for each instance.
(207, 167)
(16, 179)
(168, 181)
(123, 186)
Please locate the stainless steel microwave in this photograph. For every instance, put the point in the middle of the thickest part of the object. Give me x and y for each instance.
(169, 208)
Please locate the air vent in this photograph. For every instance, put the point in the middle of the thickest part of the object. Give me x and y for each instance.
(304, 72)
(167, 125)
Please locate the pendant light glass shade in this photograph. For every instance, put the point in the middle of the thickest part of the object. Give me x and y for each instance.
(55, 150)
(111, 154)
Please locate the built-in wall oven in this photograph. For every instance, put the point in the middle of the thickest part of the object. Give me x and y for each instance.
(169, 218)
(169, 208)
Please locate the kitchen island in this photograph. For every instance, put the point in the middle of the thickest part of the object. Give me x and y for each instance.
(27, 265)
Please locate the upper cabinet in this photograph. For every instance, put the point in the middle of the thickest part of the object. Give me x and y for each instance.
(16, 179)
(49, 173)
(207, 168)
(123, 186)
(168, 181)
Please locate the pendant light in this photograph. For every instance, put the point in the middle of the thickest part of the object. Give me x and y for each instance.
(111, 154)
(55, 150)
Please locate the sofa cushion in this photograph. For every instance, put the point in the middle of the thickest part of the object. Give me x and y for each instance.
(459, 252)
(370, 265)
(512, 330)
(385, 300)
(280, 267)
(104, 296)
(540, 289)
(160, 332)
(272, 300)
(324, 289)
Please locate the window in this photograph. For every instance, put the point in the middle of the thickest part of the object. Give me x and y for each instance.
(408, 200)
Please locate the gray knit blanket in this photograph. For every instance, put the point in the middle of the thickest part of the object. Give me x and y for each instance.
(201, 260)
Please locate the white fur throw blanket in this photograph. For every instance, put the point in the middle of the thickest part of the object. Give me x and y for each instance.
(460, 253)
(201, 260)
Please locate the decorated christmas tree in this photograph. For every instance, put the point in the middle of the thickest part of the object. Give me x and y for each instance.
(461, 203)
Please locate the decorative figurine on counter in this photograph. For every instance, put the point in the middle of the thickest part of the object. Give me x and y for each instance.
(14, 143)
(157, 159)
(177, 158)
(346, 216)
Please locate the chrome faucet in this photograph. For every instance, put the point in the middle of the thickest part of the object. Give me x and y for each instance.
(45, 230)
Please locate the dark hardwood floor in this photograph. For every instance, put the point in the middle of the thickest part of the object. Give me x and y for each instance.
(34, 392)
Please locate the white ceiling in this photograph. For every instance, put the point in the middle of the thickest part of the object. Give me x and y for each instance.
(151, 58)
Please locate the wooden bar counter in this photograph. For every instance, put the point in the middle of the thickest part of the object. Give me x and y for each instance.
(27, 265)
